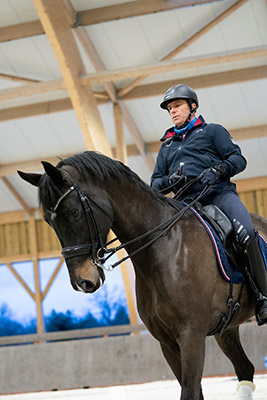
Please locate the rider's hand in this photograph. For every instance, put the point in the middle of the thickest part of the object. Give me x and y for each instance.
(212, 175)
(209, 176)
(177, 181)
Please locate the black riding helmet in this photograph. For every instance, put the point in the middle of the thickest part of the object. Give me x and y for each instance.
(180, 92)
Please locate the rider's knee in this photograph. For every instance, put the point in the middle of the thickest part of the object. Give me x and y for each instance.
(243, 234)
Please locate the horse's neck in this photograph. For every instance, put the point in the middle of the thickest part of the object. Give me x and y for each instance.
(136, 212)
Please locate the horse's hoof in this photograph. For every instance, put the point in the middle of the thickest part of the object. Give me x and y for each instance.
(244, 390)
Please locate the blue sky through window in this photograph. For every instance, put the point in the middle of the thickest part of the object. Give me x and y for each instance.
(61, 296)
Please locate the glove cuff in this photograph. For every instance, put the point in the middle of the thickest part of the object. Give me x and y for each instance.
(220, 170)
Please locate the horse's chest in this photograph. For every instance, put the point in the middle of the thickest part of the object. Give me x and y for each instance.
(149, 308)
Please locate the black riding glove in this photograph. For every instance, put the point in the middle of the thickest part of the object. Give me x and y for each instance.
(177, 181)
(212, 175)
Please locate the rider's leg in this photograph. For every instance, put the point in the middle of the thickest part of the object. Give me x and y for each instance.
(246, 236)
(257, 267)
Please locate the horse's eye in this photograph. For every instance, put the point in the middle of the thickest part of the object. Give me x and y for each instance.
(75, 214)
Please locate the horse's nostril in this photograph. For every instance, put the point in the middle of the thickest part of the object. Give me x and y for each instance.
(87, 286)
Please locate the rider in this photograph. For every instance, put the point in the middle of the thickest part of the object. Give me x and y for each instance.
(192, 147)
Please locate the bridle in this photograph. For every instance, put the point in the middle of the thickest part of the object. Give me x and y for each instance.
(97, 248)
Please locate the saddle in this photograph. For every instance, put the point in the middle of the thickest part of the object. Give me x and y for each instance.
(223, 227)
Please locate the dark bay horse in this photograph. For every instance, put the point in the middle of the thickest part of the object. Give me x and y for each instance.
(180, 295)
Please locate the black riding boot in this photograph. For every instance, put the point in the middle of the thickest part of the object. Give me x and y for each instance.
(257, 269)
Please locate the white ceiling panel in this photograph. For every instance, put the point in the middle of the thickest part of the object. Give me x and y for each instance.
(31, 58)
(256, 158)
(240, 32)
(17, 11)
(7, 201)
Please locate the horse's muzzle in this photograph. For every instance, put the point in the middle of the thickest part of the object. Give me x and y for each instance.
(87, 285)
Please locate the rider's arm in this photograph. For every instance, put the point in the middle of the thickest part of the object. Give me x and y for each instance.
(229, 152)
(159, 178)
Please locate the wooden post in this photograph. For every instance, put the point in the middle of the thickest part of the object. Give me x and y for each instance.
(54, 18)
(121, 155)
(34, 257)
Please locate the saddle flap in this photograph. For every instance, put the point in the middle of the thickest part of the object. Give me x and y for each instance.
(220, 218)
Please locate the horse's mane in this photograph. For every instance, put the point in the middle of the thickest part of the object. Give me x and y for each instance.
(100, 168)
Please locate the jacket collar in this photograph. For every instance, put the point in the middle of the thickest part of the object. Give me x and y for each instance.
(170, 133)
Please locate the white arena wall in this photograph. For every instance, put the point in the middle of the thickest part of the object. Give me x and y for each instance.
(111, 360)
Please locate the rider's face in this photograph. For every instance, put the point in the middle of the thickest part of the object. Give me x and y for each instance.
(178, 110)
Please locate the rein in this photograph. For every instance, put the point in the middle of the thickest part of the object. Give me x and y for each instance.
(164, 226)
(98, 248)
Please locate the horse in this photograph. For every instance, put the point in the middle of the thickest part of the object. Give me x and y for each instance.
(180, 295)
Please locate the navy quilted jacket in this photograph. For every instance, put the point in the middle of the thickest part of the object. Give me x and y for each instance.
(203, 146)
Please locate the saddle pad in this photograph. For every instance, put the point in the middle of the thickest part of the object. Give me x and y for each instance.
(226, 270)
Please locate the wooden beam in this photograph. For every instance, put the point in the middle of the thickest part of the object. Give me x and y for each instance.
(53, 277)
(122, 156)
(29, 165)
(173, 65)
(92, 54)
(148, 90)
(137, 137)
(16, 195)
(153, 89)
(132, 150)
(109, 87)
(32, 89)
(121, 151)
(21, 281)
(31, 110)
(249, 133)
(15, 78)
(238, 134)
(225, 14)
(251, 184)
(132, 9)
(97, 15)
(34, 256)
(200, 81)
(56, 26)
(187, 42)
(19, 31)
(10, 217)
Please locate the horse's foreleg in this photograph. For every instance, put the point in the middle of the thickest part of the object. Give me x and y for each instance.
(230, 344)
(192, 347)
(173, 357)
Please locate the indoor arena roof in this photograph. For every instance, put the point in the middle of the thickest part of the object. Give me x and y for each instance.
(124, 56)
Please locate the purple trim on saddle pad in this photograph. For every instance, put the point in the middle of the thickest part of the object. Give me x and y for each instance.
(226, 270)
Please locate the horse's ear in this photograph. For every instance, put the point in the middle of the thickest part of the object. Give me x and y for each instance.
(33, 179)
(53, 172)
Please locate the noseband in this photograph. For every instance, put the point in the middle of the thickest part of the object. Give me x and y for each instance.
(96, 247)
